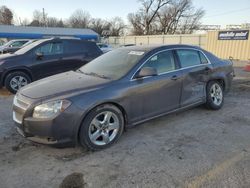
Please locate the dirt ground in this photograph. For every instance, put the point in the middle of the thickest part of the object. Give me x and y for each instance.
(195, 148)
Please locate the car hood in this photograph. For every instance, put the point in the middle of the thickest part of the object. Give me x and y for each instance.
(8, 56)
(62, 84)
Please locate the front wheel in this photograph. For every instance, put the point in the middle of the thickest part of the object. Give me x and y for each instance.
(215, 95)
(102, 127)
(16, 80)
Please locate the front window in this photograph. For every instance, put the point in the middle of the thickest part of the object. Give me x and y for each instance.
(113, 65)
(50, 49)
(162, 62)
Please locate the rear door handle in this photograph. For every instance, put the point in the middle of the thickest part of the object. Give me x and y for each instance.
(207, 70)
(175, 77)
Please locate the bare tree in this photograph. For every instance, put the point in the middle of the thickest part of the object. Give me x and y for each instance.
(54, 22)
(79, 19)
(137, 23)
(172, 17)
(24, 22)
(6, 16)
(144, 18)
(39, 19)
(116, 26)
(99, 25)
(191, 22)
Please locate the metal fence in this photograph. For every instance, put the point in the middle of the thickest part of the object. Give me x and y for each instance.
(238, 49)
(199, 40)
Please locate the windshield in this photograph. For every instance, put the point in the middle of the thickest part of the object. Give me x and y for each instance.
(113, 65)
(28, 47)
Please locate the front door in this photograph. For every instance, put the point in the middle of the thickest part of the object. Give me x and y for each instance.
(152, 96)
(47, 60)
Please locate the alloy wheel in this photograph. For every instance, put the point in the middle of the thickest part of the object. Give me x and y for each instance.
(104, 128)
(216, 94)
(17, 82)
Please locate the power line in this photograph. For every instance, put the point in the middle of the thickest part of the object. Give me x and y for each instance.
(229, 12)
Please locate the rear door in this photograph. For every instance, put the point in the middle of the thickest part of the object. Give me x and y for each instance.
(196, 69)
(76, 54)
(152, 96)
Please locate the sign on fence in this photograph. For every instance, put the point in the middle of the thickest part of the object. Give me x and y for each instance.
(233, 35)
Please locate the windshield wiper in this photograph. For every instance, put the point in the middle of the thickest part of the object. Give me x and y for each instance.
(94, 74)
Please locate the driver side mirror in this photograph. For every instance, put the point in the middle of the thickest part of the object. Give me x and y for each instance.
(39, 55)
(146, 71)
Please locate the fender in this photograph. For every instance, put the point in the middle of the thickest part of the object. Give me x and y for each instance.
(23, 69)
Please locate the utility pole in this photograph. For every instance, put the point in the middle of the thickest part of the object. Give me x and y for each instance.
(44, 18)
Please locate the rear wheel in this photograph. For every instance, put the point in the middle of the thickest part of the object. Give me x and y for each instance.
(16, 80)
(102, 127)
(215, 95)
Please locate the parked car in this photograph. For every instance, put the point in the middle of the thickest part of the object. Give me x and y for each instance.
(104, 47)
(127, 45)
(14, 49)
(127, 86)
(44, 58)
(14, 45)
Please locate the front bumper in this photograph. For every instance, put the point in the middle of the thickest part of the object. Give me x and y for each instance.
(60, 131)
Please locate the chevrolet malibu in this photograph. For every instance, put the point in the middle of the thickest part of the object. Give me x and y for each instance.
(93, 105)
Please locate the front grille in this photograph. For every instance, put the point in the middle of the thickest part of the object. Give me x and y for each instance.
(19, 108)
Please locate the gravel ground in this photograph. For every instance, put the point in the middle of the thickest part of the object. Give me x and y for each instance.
(195, 148)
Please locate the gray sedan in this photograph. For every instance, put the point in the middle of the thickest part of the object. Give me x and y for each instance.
(127, 86)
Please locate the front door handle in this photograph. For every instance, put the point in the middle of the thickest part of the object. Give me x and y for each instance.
(175, 77)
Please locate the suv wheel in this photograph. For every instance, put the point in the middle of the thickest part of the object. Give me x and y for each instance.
(102, 127)
(16, 80)
(215, 95)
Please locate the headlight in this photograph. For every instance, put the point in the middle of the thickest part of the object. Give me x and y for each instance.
(50, 109)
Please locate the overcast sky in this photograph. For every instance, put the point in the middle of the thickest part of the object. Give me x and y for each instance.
(218, 12)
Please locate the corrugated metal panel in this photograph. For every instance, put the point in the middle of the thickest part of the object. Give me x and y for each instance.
(238, 49)
(198, 40)
(8, 31)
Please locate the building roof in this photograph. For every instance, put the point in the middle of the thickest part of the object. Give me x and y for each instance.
(10, 31)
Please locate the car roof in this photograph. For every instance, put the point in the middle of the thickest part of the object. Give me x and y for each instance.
(148, 48)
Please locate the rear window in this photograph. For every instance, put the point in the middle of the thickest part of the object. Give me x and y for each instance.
(203, 58)
(188, 58)
(93, 49)
(74, 47)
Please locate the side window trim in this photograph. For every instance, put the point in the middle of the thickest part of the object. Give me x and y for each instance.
(175, 62)
(176, 58)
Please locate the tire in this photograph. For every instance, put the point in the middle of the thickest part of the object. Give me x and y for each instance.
(96, 133)
(18, 79)
(215, 95)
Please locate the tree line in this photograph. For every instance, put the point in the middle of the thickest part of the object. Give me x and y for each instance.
(152, 17)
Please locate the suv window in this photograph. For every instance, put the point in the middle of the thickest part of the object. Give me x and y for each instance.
(74, 46)
(17, 43)
(50, 49)
(188, 58)
(162, 62)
